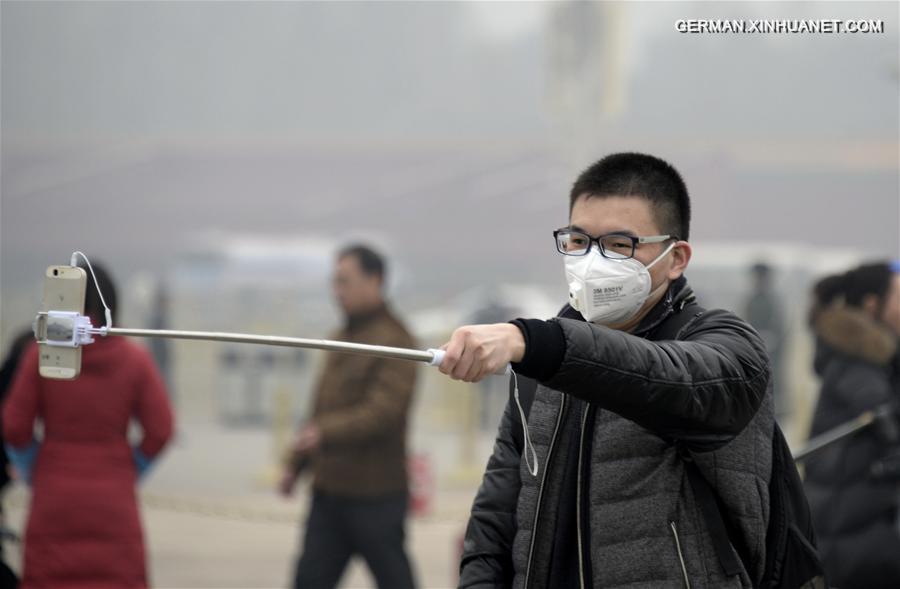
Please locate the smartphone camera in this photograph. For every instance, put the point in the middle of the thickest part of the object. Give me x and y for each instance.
(55, 272)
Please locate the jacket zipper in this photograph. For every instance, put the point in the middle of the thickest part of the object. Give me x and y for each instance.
(578, 500)
(537, 510)
(687, 582)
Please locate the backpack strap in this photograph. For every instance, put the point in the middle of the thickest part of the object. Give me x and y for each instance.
(712, 515)
(704, 494)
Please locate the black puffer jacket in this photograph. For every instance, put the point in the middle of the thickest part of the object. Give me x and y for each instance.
(710, 390)
(855, 515)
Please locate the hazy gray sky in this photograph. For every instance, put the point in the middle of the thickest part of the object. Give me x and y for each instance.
(172, 69)
(129, 129)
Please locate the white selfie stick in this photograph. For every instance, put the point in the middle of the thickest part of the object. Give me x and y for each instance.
(72, 330)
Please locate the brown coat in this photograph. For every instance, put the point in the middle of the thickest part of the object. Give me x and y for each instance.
(361, 407)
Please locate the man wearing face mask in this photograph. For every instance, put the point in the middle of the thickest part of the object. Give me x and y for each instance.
(601, 497)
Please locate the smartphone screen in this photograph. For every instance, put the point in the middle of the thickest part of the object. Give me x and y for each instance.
(64, 288)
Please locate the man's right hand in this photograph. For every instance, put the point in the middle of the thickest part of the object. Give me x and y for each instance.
(476, 351)
(305, 442)
(288, 482)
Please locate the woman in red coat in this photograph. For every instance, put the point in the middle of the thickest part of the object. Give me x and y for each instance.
(84, 528)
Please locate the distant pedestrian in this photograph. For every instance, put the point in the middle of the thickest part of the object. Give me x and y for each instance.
(84, 528)
(7, 371)
(355, 440)
(856, 321)
(764, 311)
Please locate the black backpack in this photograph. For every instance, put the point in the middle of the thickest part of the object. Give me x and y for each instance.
(792, 560)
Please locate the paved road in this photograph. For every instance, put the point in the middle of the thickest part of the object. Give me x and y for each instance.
(212, 521)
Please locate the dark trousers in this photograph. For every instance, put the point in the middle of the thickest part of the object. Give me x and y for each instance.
(341, 527)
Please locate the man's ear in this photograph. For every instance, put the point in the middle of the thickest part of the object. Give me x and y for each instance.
(379, 284)
(681, 256)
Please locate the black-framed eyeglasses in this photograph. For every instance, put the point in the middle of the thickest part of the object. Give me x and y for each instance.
(615, 246)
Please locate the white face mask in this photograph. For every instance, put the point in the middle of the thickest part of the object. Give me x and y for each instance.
(605, 291)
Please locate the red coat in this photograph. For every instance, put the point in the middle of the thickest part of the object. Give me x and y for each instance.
(84, 528)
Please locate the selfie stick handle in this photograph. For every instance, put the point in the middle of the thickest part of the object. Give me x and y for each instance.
(432, 356)
(438, 357)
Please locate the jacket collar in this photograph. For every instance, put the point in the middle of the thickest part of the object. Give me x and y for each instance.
(850, 332)
(361, 320)
(677, 296)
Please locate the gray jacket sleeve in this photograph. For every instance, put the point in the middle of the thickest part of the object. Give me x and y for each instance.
(703, 388)
(487, 548)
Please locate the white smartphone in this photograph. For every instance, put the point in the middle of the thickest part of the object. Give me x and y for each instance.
(64, 288)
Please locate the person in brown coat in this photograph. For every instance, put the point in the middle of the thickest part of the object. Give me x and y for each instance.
(355, 441)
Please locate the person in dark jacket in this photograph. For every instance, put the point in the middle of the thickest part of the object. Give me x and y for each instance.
(355, 441)
(7, 371)
(597, 495)
(856, 320)
(764, 311)
(11, 363)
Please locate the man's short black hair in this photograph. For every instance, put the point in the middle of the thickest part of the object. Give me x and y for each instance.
(761, 270)
(645, 176)
(371, 262)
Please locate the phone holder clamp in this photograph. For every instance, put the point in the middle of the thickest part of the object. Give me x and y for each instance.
(65, 329)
